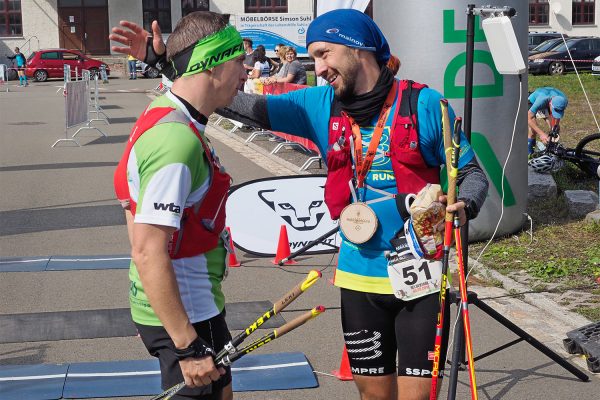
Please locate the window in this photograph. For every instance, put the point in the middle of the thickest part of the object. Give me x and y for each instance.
(583, 12)
(70, 56)
(10, 18)
(265, 6)
(189, 6)
(538, 12)
(159, 10)
(51, 55)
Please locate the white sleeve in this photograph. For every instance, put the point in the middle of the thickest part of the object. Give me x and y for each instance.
(164, 197)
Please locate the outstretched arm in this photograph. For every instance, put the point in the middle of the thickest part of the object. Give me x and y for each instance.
(249, 109)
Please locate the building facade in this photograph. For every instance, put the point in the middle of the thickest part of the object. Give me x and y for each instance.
(571, 17)
(85, 24)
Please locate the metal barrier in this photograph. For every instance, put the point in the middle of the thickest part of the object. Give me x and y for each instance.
(4, 76)
(77, 106)
(93, 101)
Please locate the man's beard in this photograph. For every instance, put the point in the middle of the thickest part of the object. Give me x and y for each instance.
(349, 74)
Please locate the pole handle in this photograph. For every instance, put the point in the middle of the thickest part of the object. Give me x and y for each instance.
(293, 294)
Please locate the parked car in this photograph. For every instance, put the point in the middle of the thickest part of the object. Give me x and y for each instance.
(546, 46)
(556, 61)
(146, 70)
(536, 38)
(49, 63)
(596, 66)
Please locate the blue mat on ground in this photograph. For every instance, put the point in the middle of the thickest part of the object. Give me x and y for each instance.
(112, 379)
(23, 264)
(35, 382)
(278, 371)
(64, 263)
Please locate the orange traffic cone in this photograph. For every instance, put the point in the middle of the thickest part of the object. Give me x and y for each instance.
(344, 373)
(233, 261)
(283, 248)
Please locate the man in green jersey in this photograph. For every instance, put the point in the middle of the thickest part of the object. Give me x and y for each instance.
(169, 179)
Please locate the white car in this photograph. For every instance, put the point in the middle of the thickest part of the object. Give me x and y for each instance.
(596, 66)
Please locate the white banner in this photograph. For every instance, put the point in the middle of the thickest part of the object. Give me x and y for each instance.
(76, 102)
(256, 210)
(269, 29)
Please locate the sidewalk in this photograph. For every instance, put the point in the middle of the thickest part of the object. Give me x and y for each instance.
(60, 202)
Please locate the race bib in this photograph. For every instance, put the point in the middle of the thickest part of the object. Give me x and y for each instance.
(412, 278)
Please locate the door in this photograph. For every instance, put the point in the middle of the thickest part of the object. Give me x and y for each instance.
(96, 30)
(52, 63)
(71, 22)
(83, 25)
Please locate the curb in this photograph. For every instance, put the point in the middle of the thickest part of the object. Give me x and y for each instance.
(539, 300)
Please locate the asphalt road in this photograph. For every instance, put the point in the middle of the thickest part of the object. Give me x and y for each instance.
(60, 201)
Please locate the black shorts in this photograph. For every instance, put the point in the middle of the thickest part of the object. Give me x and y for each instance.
(159, 344)
(378, 328)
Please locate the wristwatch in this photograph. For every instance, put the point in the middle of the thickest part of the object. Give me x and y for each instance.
(197, 349)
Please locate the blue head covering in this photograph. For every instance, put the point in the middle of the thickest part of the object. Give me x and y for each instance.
(558, 105)
(350, 28)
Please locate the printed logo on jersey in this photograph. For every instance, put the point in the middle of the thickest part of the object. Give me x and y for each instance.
(172, 207)
(381, 170)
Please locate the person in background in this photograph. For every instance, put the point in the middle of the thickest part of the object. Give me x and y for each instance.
(249, 59)
(21, 61)
(261, 64)
(545, 103)
(279, 62)
(131, 62)
(292, 72)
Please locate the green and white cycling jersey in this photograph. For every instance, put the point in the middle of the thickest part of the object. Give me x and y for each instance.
(166, 172)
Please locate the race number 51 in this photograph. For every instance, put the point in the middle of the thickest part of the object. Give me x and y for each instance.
(415, 278)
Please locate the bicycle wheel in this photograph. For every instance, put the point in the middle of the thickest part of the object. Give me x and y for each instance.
(588, 154)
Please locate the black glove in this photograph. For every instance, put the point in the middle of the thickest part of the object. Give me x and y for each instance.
(157, 61)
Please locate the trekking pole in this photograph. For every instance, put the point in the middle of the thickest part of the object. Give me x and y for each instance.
(278, 306)
(228, 359)
(276, 333)
(452, 171)
(464, 305)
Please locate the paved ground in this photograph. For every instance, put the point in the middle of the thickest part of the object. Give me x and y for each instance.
(59, 201)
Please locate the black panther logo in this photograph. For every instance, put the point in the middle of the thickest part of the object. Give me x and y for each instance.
(301, 214)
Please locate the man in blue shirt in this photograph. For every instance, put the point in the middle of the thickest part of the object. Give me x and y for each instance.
(390, 340)
(546, 103)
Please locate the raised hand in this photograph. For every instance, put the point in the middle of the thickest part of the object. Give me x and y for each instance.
(134, 39)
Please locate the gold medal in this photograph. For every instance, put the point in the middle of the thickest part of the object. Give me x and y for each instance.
(358, 222)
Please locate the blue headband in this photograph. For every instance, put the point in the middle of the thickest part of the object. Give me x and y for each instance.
(350, 28)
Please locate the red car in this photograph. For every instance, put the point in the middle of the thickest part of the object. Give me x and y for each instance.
(49, 63)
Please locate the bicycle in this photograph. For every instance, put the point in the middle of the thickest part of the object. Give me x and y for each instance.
(551, 157)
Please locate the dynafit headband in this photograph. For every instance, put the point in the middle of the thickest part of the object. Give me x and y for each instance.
(208, 52)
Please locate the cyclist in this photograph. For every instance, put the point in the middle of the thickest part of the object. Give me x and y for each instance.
(545, 103)
(21, 61)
